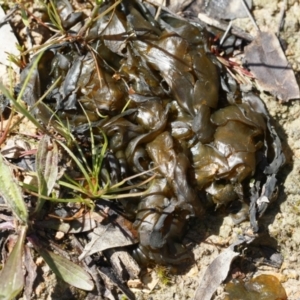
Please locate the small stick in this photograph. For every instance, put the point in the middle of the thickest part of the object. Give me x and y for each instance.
(281, 16)
(159, 10)
(250, 15)
(225, 33)
(6, 18)
(153, 2)
(6, 130)
(223, 26)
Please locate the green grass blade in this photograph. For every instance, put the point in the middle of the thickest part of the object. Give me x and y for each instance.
(44, 116)
(16, 102)
(12, 276)
(11, 192)
(20, 108)
(98, 158)
(71, 186)
(55, 17)
(73, 182)
(78, 163)
(24, 17)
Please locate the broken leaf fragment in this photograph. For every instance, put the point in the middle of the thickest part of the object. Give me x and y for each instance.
(47, 165)
(65, 269)
(47, 168)
(105, 237)
(11, 192)
(176, 5)
(266, 60)
(221, 9)
(217, 271)
(12, 276)
(84, 223)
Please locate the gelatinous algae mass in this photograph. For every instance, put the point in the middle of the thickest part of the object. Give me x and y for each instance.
(154, 89)
(262, 287)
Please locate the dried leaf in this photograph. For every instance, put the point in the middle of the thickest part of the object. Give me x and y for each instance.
(124, 265)
(31, 272)
(12, 276)
(266, 60)
(47, 165)
(7, 226)
(81, 224)
(217, 272)
(11, 192)
(65, 269)
(111, 281)
(220, 9)
(177, 5)
(105, 237)
(14, 147)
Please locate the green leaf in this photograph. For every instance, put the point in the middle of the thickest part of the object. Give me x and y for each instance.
(12, 276)
(47, 168)
(24, 17)
(47, 165)
(67, 270)
(11, 192)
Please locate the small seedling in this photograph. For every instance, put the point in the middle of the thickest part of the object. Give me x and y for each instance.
(162, 273)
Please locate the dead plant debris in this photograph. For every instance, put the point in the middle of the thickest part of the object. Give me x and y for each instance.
(139, 127)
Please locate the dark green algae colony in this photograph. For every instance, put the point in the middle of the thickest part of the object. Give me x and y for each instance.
(163, 101)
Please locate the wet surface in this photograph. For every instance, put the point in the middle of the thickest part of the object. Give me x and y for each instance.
(154, 89)
(263, 287)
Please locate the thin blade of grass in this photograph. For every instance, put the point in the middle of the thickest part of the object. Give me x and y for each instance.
(12, 276)
(99, 158)
(16, 102)
(77, 199)
(134, 186)
(72, 181)
(20, 107)
(132, 177)
(96, 157)
(71, 186)
(44, 115)
(128, 195)
(24, 17)
(51, 117)
(11, 192)
(54, 16)
(78, 163)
